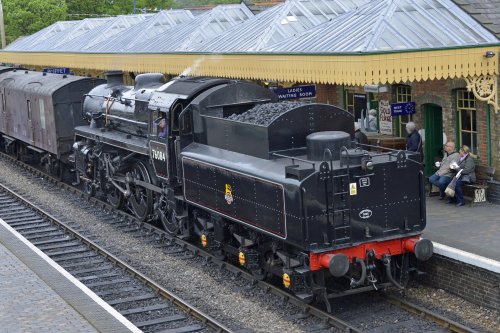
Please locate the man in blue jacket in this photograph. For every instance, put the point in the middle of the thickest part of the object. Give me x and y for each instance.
(414, 142)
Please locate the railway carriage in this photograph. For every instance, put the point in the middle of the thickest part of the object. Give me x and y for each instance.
(38, 113)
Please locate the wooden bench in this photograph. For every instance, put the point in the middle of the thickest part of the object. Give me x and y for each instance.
(477, 191)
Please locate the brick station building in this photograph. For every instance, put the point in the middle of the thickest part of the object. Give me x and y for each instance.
(361, 55)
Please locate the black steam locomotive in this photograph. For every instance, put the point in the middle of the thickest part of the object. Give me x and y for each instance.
(279, 187)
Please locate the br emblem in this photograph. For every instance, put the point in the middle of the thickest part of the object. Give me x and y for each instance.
(229, 194)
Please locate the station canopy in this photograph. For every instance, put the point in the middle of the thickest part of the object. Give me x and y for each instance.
(351, 42)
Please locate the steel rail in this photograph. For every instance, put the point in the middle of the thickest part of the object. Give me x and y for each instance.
(306, 308)
(170, 296)
(449, 324)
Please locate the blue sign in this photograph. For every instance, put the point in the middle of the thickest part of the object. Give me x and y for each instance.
(400, 109)
(62, 70)
(295, 92)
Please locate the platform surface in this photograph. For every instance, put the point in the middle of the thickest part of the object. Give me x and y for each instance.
(473, 229)
(27, 304)
(37, 295)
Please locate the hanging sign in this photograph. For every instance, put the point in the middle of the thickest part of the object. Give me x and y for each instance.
(62, 70)
(385, 118)
(297, 92)
(400, 109)
(374, 88)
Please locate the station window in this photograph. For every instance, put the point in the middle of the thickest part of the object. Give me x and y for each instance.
(349, 100)
(467, 125)
(403, 94)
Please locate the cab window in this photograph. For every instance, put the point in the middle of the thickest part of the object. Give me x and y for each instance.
(159, 124)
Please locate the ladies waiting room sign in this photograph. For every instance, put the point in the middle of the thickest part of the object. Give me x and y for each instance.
(385, 118)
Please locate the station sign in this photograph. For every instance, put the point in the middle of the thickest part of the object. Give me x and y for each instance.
(400, 109)
(61, 70)
(297, 92)
(375, 88)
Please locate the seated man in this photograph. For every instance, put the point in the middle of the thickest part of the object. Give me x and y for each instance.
(443, 176)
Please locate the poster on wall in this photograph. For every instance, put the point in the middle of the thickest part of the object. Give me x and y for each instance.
(385, 120)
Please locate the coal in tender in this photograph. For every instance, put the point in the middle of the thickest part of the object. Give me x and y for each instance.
(264, 114)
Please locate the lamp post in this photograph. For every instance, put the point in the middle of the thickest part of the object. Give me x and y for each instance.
(135, 3)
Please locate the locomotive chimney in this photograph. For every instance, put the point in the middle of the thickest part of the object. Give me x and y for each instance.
(115, 78)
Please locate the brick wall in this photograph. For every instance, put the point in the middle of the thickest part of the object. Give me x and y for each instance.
(442, 93)
(477, 285)
(438, 92)
(329, 94)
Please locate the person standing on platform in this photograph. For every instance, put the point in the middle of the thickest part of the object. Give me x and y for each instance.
(414, 141)
(359, 137)
(372, 121)
(443, 176)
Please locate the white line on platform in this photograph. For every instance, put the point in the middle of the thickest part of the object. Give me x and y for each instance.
(124, 321)
(467, 257)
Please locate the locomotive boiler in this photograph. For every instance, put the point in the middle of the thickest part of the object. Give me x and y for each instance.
(279, 187)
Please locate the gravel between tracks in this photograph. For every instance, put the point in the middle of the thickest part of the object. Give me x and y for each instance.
(235, 303)
(449, 305)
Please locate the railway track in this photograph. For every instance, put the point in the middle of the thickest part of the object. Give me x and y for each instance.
(146, 304)
(128, 224)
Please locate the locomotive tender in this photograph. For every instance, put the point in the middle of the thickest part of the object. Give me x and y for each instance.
(276, 186)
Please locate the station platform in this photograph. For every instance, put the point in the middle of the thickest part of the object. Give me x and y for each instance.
(465, 232)
(37, 295)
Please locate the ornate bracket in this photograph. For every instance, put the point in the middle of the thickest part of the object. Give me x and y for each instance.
(485, 88)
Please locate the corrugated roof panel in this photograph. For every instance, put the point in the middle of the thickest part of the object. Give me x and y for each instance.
(121, 23)
(83, 27)
(385, 25)
(144, 30)
(40, 36)
(96, 32)
(278, 23)
(204, 27)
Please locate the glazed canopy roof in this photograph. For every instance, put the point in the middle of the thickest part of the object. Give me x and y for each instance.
(327, 41)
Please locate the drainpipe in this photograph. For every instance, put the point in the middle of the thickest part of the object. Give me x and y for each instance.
(488, 132)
